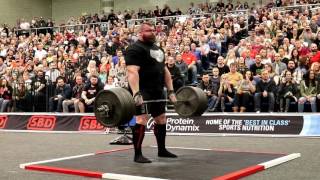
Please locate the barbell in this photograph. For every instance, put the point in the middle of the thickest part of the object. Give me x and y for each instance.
(115, 106)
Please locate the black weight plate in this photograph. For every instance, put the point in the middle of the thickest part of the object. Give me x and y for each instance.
(112, 100)
(192, 101)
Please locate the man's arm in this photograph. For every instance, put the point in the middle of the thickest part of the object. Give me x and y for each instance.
(167, 79)
(133, 78)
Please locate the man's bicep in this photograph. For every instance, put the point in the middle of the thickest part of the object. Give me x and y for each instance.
(132, 69)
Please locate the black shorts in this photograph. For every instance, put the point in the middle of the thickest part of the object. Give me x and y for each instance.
(156, 108)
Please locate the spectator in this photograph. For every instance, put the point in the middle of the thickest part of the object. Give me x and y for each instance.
(257, 67)
(3, 66)
(89, 93)
(264, 89)
(308, 91)
(277, 65)
(5, 96)
(62, 92)
(177, 79)
(75, 97)
(190, 59)
(215, 79)
(39, 86)
(206, 85)
(244, 94)
(183, 67)
(110, 83)
(226, 92)
(233, 76)
(223, 69)
(287, 92)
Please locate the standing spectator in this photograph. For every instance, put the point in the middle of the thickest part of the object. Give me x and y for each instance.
(244, 93)
(40, 53)
(39, 86)
(308, 91)
(75, 97)
(89, 93)
(176, 77)
(5, 96)
(183, 67)
(287, 92)
(265, 88)
(3, 66)
(62, 92)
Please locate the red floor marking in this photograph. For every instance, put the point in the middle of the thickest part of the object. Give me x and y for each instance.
(240, 173)
(111, 151)
(65, 171)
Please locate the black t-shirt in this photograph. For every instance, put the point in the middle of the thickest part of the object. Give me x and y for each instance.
(92, 91)
(150, 59)
(38, 81)
(256, 69)
(223, 70)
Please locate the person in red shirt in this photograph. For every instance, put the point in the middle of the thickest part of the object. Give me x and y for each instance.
(315, 54)
(190, 59)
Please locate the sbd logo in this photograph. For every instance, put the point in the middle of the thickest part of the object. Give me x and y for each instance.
(46, 123)
(90, 123)
(3, 121)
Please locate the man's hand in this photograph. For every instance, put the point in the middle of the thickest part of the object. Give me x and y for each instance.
(265, 93)
(138, 99)
(172, 96)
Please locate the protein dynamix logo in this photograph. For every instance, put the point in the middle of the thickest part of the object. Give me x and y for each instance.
(3, 121)
(177, 125)
(45, 123)
(90, 123)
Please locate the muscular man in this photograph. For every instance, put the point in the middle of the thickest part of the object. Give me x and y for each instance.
(147, 76)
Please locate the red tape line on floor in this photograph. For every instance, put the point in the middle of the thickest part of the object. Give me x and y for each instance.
(241, 173)
(65, 171)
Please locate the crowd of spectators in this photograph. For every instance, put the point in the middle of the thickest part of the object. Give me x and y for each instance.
(267, 60)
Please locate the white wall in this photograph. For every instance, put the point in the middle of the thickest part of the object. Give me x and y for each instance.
(11, 10)
(62, 10)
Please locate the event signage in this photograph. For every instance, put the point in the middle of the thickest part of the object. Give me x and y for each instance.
(272, 124)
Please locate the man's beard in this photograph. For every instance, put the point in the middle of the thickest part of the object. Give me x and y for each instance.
(149, 39)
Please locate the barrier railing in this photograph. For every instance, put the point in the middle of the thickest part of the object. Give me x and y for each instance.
(104, 26)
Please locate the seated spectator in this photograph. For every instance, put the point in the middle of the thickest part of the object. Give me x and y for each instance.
(110, 83)
(89, 93)
(277, 65)
(257, 67)
(265, 89)
(176, 77)
(242, 68)
(190, 59)
(63, 91)
(223, 69)
(206, 85)
(287, 92)
(308, 91)
(233, 76)
(75, 97)
(226, 93)
(5, 96)
(244, 94)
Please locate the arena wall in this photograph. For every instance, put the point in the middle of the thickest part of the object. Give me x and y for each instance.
(62, 10)
(15, 9)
